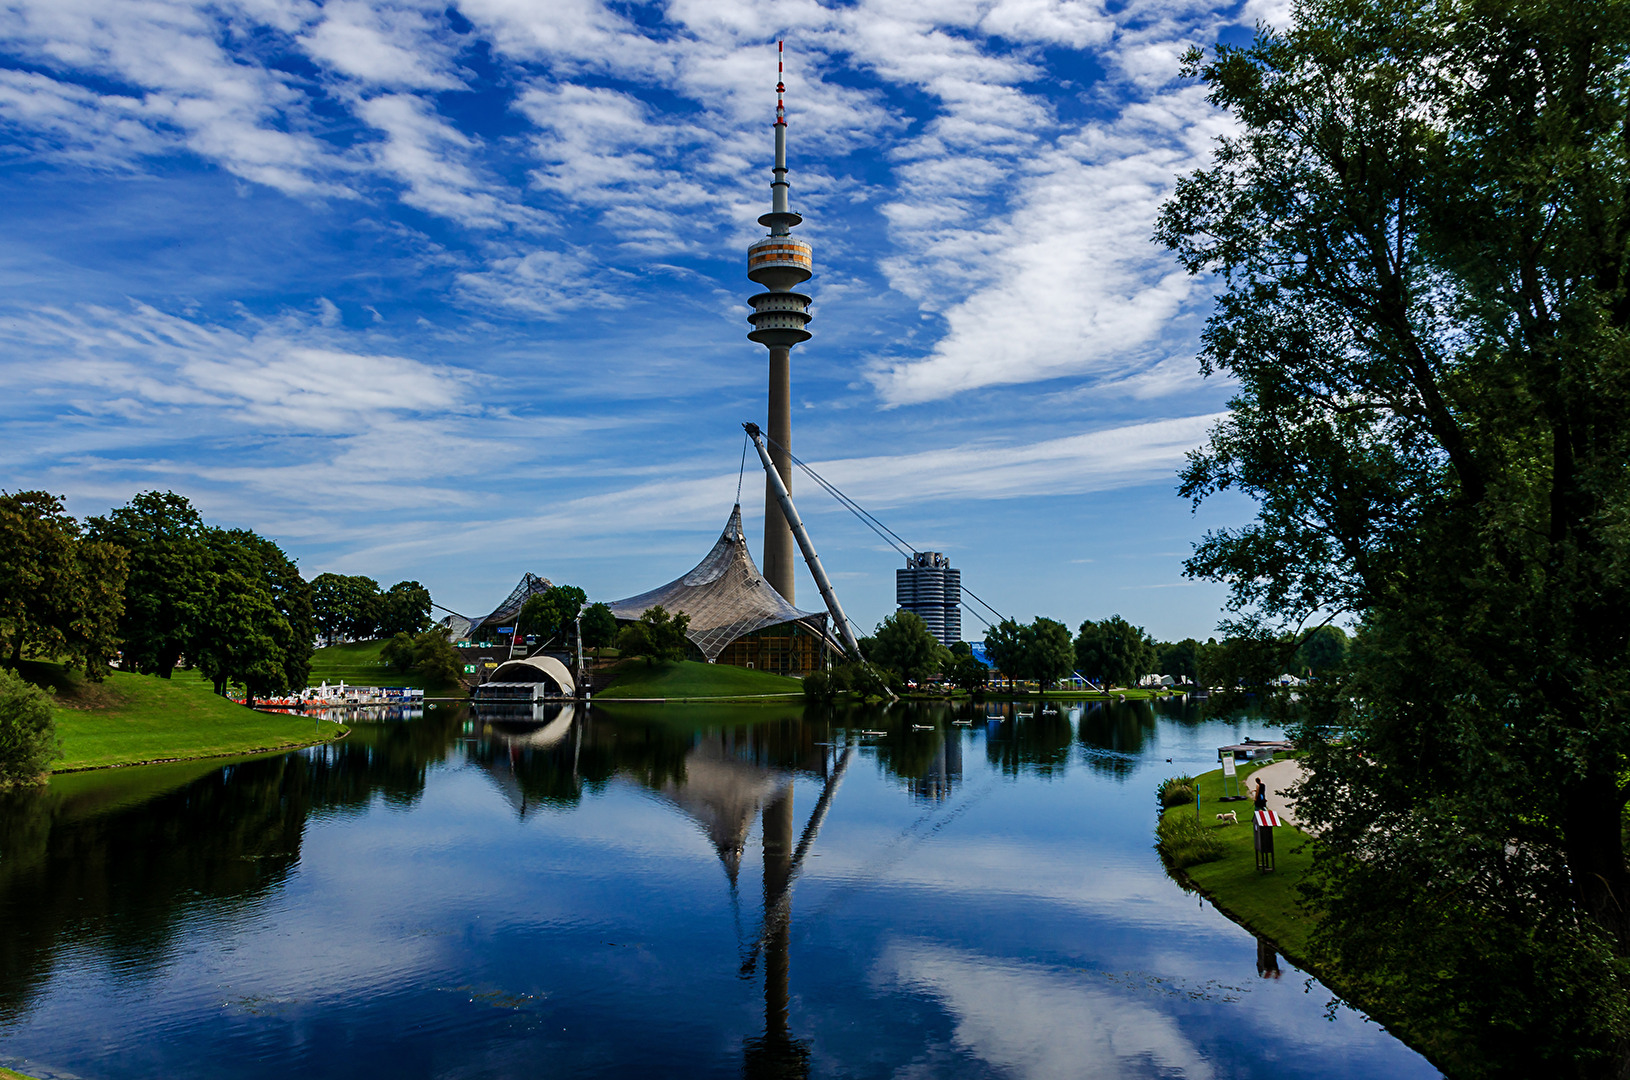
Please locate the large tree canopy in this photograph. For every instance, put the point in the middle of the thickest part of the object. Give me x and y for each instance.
(904, 643)
(1421, 224)
(258, 628)
(552, 614)
(1114, 652)
(61, 594)
(169, 585)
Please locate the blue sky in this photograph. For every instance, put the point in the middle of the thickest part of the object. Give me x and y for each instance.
(455, 292)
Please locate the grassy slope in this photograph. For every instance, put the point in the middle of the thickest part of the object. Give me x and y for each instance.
(357, 663)
(129, 719)
(1266, 904)
(8, 1074)
(690, 679)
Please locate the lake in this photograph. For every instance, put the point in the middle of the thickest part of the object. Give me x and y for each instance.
(673, 891)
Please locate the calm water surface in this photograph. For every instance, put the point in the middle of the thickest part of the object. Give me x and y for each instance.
(718, 892)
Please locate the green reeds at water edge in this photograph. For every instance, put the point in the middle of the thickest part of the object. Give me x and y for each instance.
(1179, 838)
(1176, 790)
(1183, 843)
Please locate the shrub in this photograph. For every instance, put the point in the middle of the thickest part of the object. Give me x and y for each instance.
(818, 686)
(398, 652)
(428, 653)
(28, 734)
(1176, 790)
(1182, 841)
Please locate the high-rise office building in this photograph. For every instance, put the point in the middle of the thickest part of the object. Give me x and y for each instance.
(929, 588)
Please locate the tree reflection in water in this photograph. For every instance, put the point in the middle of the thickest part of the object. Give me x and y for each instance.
(1113, 734)
(114, 862)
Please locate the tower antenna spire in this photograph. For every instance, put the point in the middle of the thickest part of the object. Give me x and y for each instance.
(780, 83)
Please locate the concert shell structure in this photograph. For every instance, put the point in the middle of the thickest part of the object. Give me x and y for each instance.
(736, 617)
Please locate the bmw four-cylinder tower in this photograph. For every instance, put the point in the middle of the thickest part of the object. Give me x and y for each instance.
(780, 316)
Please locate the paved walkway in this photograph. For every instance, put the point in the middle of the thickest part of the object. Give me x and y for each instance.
(1278, 776)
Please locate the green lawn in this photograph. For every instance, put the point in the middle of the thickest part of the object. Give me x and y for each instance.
(131, 719)
(691, 679)
(1263, 903)
(357, 663)
(10, 1074)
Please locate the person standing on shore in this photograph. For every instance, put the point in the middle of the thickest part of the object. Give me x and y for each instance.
(1261, 795)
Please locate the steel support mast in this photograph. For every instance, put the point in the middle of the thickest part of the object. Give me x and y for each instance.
(801, 534)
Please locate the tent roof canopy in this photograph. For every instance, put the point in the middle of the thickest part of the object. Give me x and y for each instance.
(725, 597)
(505, 613)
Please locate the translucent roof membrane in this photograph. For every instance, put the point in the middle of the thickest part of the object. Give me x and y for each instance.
(725, 597)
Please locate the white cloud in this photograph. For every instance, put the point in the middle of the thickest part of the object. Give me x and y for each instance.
(680, 499)
(228, 108)
(1069, 283)
(1039, 1024)
(382, 44)
(282, 376)
(543, 283)
(603, 149)
(72, 122)
(428, 154)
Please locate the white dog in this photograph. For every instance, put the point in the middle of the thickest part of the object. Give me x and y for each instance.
(1230, 816)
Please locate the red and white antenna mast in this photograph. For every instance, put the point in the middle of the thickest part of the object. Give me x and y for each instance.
(780, 82)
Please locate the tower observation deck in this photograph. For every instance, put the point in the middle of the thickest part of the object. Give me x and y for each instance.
(780, 320)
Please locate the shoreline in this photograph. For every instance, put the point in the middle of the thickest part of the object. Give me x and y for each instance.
(1233, 893)
(258, 751)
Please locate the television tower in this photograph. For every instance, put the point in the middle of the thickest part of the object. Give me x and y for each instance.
(779, 263)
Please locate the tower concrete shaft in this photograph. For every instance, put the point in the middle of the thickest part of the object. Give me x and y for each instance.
(780, 551)
(778, 262)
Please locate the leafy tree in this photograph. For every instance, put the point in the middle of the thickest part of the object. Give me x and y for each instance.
(1005, 644)
(258, 628)
(328, 593)
(405, 608)
(1179, 659)
(552, 613)
(28, 734)
(1420, 219)
(1323, 648)
(398, 652)
(904, 644)
(37, 540)
(430, 653)
(351, 607)
(1039, 650)
(94, 607)
(436, 658)
(1113, 651)
(657, 636)
(1049, 655)
(60, 593)
(599, 626)
(1248, 660)
(364, 607)
(966, 673)
(168, 586)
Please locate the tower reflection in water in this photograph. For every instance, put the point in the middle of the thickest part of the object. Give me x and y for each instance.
(722, 779)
